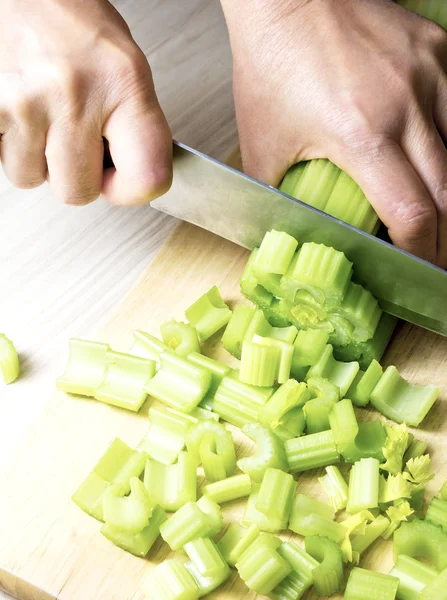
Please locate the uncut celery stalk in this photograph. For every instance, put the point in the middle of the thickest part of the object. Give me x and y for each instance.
(119, 463)
(147, 346)
(272, 522)
(285, 355)
(372, 532)
(335, 488)
(316, 183)
(368, 442)
(339, 373)
(401, 401)
(250, 286)
(231, 488)
(179, 383)
(437, 512)
(185, 525)
(171, 580)
(269, 452)
(88, 497)
(211, 444)
(311, 451)
(413, 576)
(259, 364)
(85, 368)
(308, 348)
(234, 333)
(170, 486)
(422, 539)
(128, 514)
(140, 543)
(180, 337)
(9, 360)
(364, 383)
(343, 423)
(291, 178)
(301, 577)
(415, 449)
(361, 310)
(311, 517)
(239, 403)
(124, 380)
(363, 485)
(316, 412)
(208, 314)
(276, 494)
(329, 575)
(368, 585)
(236, 540)
(436, 589)
(275, 253)
(289, 395)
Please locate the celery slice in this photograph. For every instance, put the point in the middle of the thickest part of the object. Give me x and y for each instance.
(291, 425)
(236, 540)
(88, 497)
(329, 575)
(368, 585)
(124, 380)
(120, 463)
(208, 314)
(301, 578)
(285, 355)
(437, 512)
(170, 486)
(259, 364)
(290, 588)
(85, 368)
(308, 348)
(317, 411)
(272, 522)
(436, 589)
(211, 444)
(363, 485)
(206, 564)
(443, 491)
(217, 371)
(275, 253)
(171, 580)
(289, 395)
(250, 286)
(278, 314)
(239, 403)
(9, 360)
(401, 401)
(276, 494)
(207, 584)
(368, 442)
(188, 523)
(339, 373)
(269, 452)
(179, 383)
(147, 346)
(422, 539)
(231, 488)
(413, 577)
(335, 488)
(415, 449)
(129, 514)
(372, 532)
(234, 333)
(180, 337)
(364, 384)
(311, 517)
(361, 310)
(343, 423)
(311, 451)
(306, 311)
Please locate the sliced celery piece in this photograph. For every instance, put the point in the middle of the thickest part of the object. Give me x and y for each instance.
(291, 425)
(436, 589)
(85, 368)
(179, 383)
(206, 564)
(394, 448)
(368, 442)
(361, 310)
(311, 517)
(239, 403)
(208, 314)
(120, 463)
(217, 371)
(285, 356)
(418, 470)
(289, 395)
(260, 326)
(401, 401)
(140, 543)
(306, 311)
(422, 539)
(393, 488)
(311, 451)
(269, 452)
(437, 512)
(372, 532)
(363, 485)
(364, 384)
(128, 514)
(275, 253)
(335, 488)
(329, 576)
(319, 387)
(300, 580)
(124, 380)
(290, 588)
(355, 525)
(443, 491)
(343, 423)
(278, 313)
(180, 337)
(341, 331)
(211, 444)
(308, 348)
(236, 540)
(188, 523)
(259, 364)
(291, 178)
(213, 513)
(276, 494)
(171, 580)
(9, 360)
(234, 333)
(397, 514)
(316, 412)
(417, 500)
(231, 488)
(369, 585)
(271, 522)
(207, 584)
(250, 286)
(89, 495)
(339, 373)
(147, 346)
(415, 449)
(170, 486)
(413, 576)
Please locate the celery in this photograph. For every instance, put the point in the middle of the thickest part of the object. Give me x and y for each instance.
(394, 448)
(418, 470)
(311, 517)
(344, 426)
(235, 330)
(260, 326)
(259, 364)
(306, 311)
(422, 539)
(179, 383)
(285, 355)
(208, 314)
(291, 425)
(206, 565)
(213, 514)
(9, 360)
(85, 368)
(124, 380)
(170, 486)
(191, 521)
(397, 515)
(291, 178)
(437, 512)
(361, 310)
(147, 346)
(269, 453)
(329, 575)
(368, 585)
(354, 525)
(212, 445)
(372, 532)
(415, 449)
(300, 580)
(364, 384)
(231, 488)
(275, 253)
(394, 487)
(417, 500)
(278, 314)
(308, 348)
(129, 514)
(119, 464)
(88, 497)
(363, 485)
(335, 488)
(250, 286)
(276, 494)
(236, 540)
(340, 374)
(316, 183)
(430, 9)
(180, 337)
(217, 371)
(171, 580)
(239, 403)
(272, 521)
(341, 331)
(413, 577)
(443, 491)
(436, 589)
(368, 443)
(316, 412)
(311, 451)
(401, 401)
(289, 395)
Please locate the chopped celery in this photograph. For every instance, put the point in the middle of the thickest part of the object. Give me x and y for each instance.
(285, 358)
(124, 380)
(179, 383)
(339, 373)
(180, 337)
(9, 360)
(329, 575)
(188, 523)
(259, 364)
(140, 543)
(231, 488)
(272, 521)
(206, 557)
(343, 423)
(364, 383)
(208, 314)
(372, 532)
(235, 330)
(341, 331)
(278, 315)
(171, 580)
(397, 514)
(147, 346)
(85, 368)
(437, 512)
(300, 580)
(207, 584)
(415, 449)
(250, 286)
(436, 589)
(311, 517)
(211, 444)
(401, 401)
(128, 514)
(354, 525)
(311, 451)
(422, 539)
(260, 326)
(120, 463)
(361, 310)
(417, 500)
(443, 491)
(89, 495)
(335, 488)
(308, 348)
(213, 514)
(170, 486)
(276, 494)
(290, 588)
(236, 540)
(394, 448)
(320, 387)
(394, 487)
(369, 585)
(413, 576)
(306, 311)
(239, 403)
(418, 470)
(275, 253)
(289, 395)
(291, 425)
(363, 485)
(269, 453)
(217, 370)
(316, 412)
(368, 443)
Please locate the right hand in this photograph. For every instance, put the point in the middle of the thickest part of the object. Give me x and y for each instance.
(71, 74)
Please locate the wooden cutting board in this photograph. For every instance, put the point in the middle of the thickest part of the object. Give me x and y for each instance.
(48, 547)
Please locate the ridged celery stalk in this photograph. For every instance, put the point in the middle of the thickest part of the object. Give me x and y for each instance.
(206, 564)
(362, 310)
(363, 485)
(368, 585)
(269, 452)
(339, 373)
(436, 589)
(147, 346)
(236, 328)
(171, 580)
(311, 517)
(335, 488)
(311, 451)
(413, 576)
(231, 488)
(299, 581)
(259, 364)
(208, 314)
(170, 486)
(239, 403)
(85, 368)
(437, 512)
(236, 540)
(329, 576)
(364, 383)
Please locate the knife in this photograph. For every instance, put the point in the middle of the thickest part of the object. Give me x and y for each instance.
(222, 200)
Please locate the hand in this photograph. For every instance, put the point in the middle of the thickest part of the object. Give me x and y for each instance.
(70, 73)
(361, 82)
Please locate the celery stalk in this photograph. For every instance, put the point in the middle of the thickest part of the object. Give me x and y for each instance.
(234, 333)
(188, 523)
(437, 512)
(311, 451)
(368, 442)
(211, 444)
(206, 565)
(364, 384)
(291, 425)
(317, 182)
(147, 346)
(285, 359)
(269, 453)
(291, 178)
(361, 310)
(271, 521)
(171, 580)
(208, 314)
(231, 488)
(368, 585)
(329, 575)
(372, 532)
(207, 584)
(128, 514)
(88, 497)
(119, 464)
(301, 578)
(180, 337)
(85, 368)
(213, 514)
(9, 360)
(289, 395)
(335, 488)
(443, 491)
(276, 494)
(311, 517)
(316, 412)
(250, 286)
(306, 311)
(308, 348)
(343, 423)
(413, 577)
(275, 253)
(236, 540)
(170, 486)
(436, 589)
(363, 485)
(239, 403)
(339, 373)
(259, 364)
(217, 371)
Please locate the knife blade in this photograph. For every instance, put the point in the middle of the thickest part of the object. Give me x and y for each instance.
(222, 200)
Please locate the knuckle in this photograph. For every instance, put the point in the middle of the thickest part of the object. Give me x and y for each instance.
(419, 221)
(26, 181)
(78, 197)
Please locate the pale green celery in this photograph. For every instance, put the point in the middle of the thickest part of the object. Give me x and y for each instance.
(85, 368)
(291, 425)
(362, 310)
(271, 522)
(88, 497)
(239, 403)
(316, 413)
(308, 348)
(295, 585)
(217, 370)
(250, 286)
(213, 513)
(259, 325)
(171, 580)
(208, 314)
(231, 488)
(311, 451)
(335, 488)
(364, 384)
(443, 491)
(140, 543)
(179, 383)
(413, 576)
(291, 178)
(306, 312)
(341, 330)
(355, 525)
(129, 514)
(285, 356)
(276, 494)
(418, 470)
(236, 540)
(422, 539)
(284, 333)
(147, 346)
(437, 512)
(278, 313)
(397, 515)
(344, 426)
(180, 337)
(269, 452)
(394, 448)
(372, 532)
(312, 517)
(339, 373)
(261, 567)
(320, 270)
(275, 253)
(290, 394)
(363, 485)
(316, 183)
(234, 333)
(290, 588)
(211, 444)
(436, 589)
(120, 463)
(417, 500)
(207, 584)
(329, 576)
(393, 488)
(369, 585)
(124, 380)
(206, 557)
(170, 486)
(9, 360)
(402, 401)
(259, 364)
(320, 387)
(415, 449)
(368, 443)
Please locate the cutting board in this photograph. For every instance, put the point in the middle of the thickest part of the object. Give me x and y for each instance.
(48, 547)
